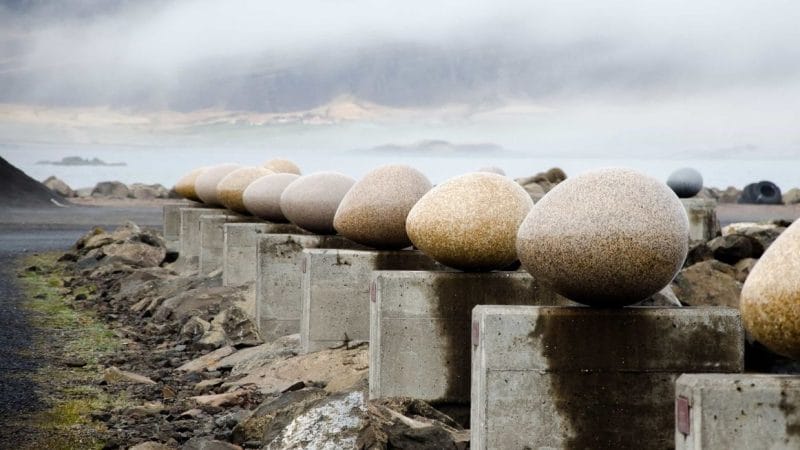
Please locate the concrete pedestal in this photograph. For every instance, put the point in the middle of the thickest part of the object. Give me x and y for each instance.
(212, 239)
(741, 411)
(189, 239)
(279, 279)
(420, 328)
(336, 292)
(172, 226)
(578, 377)
(703, 222)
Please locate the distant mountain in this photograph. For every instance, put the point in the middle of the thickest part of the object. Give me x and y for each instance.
(78, 161)
(436, 147)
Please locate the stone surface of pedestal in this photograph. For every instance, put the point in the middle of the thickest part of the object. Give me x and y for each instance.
(279, 279)
(573, 377)
(703, 222)
(336, 292)
(420, 328)
(172, 226)
(189, 239)
(737, 411)
(212, 239)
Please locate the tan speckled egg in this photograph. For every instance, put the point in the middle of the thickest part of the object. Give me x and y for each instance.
(770, 302)
(185, 186)
(232, 186)
(280, 165)
(263, 197)
(609, 237)
(206, 183)
(374, 210)
(310, 202)
(470, 222)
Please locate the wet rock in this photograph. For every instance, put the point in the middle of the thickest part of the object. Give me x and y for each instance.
(708, 283)
(279, 165)
(262, 198)
(608, 237)
(59, 187)
(790, 197)
(205, 184)
(685, 182)
(311, 201)
(470, 222)
(185, 185)
(731, 248)
(374, 210)
(113, 375)
(111, 189)
(232, 186)
(771, 296)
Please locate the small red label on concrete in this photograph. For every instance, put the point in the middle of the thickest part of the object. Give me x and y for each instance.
(476, 333)
(372, 293)
(683, 415)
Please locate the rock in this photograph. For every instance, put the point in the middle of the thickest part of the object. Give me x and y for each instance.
(185, 185)
(219, 400)
(207, 360)
(247, 359)
(205, 184)
(194, 329)
(111, 189)
(84, 192)
(59, 187)
(790, 197)
(311, 201)
(113, 375)
(271, 417)
(232, 186)
(535, 190)
(148, 191)
(708, 283)
(415, 426)
(196, 302)
(771, 296)
(239, 329)
(608, 237)
(761, 193)
(743, 268)
(136, 253)
(685, 182)
(664, 298)
(151, 445)
(206, 385)
(731, 248)
(698, 251)
(279, 165)
(374, 210)
(470, 222)
(492, 169)
(262, 198)
(199, 443)
(729, 195)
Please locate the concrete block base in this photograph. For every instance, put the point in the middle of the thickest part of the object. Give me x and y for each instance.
(189, 239)
(703, 222)
(279, 279)
(737, 411)
(420, 328)
(172, 226)
(336, 292)
(577, 377)
(212, 239)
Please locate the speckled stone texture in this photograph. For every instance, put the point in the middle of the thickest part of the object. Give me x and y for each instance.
(770, 302)
(185, 186)
(311, 201)
(279, 165)
(232, 186)
(374, 211)
(470, 222)
(206, 183)
(263, 197)
(609, 237)
(686, 182)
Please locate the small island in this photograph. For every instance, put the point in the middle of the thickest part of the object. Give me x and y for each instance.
(78, 161)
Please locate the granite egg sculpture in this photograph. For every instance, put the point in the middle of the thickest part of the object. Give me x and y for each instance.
(470, 222)
(374, 211)
(770, 300)
(607, 238)
(686, 182)
(206, 183)
(232, 186)
(262, 198)
(185, 186)
(280, 165)
(311, 201)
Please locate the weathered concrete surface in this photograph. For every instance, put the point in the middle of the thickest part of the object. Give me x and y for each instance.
(336, 292)
(172, 225)
(420, 328)
(189, 239)
(212, 239)
(279, 279)
(737, 411)
(703, 222)
(566, 377)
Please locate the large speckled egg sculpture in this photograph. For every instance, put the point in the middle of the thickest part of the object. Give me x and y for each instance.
(263, 197)
(609, 237)
(311, 201)
(470, 222)
(232, 186)
(280, 165)
(206, 183)
(374, 210)
(770, 302)
(686, 182)
(185, 186)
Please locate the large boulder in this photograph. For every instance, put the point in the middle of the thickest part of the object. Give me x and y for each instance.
(708, 283)
(111, 189)
(280, 165)
(185, 185)
(470, 222)
(232, 186)
(608, 237)
(311, 201)
(685, 182)
(731, 248)
(770, 303)
(148, 191)
(790, 197)
(262, 198)
(59, 186)
(205, 184)
(374, 210)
